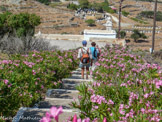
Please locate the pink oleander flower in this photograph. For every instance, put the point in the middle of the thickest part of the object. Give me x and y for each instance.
(152, 111)
(6, 81)
(45, 119)
(97, 64)
(75, 118)
(9, 85)
(111, 102)
(33, 55)
(155, 119)
(105, 120)
(111, 114)
(146, 95)
(86, 120)
(158, 84)
(70, 60)
(124, 84)
(96, 107)
(33, 72)
(56, 112)
(122, 112)
(55, 83)
(151, 93)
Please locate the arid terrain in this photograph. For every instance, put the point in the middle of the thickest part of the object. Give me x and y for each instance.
(61, 20)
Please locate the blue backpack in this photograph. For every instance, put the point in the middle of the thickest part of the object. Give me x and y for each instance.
(93, 52)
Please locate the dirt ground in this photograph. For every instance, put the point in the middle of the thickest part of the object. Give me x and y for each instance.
(145, 44)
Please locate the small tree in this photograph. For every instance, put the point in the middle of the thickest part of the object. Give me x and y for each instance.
(44, 1)
(90, 22)
(83, 3)
(136, 35)
(122, 34)
(125, 13)
(97, 7)
(19, 24)
(72, 6)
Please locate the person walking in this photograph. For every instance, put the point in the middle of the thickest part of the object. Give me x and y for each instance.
(83, 55)
(93, 54)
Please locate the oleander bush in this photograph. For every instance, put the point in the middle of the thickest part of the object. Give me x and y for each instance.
(126, 88)
(24, 79)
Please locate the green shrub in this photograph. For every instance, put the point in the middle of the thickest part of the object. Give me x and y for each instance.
(150, 14)
(125, 13)
(122, 33)
(73, 6)
(97, 6)
(24, 79)
(44, 1)
(55, 4)
(90, 22)
(22, 23)
(136, 35)
(139, 20)
(124, 88)
(84, 3)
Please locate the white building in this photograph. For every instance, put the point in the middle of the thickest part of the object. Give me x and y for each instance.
(101, 34)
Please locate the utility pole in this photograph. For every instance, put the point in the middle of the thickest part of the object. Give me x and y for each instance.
(119, 28)
(154, 27)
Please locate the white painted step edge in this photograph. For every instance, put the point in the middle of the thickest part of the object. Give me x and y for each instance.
(79, 80)
(71, 100)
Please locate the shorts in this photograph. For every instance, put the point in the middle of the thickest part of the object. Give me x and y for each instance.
(83, 65)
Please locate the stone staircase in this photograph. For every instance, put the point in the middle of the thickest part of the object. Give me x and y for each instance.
(55, 97)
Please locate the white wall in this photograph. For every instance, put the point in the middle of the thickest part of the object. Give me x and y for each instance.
(108, 36)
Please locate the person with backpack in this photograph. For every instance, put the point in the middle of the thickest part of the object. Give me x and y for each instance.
(83, 55)
(93, 53)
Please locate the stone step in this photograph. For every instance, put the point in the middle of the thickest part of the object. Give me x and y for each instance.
(34, 115)
(76, 72)
(69, 86)
(62, 93)
(57, 102)
(73, 81)
(79, 69)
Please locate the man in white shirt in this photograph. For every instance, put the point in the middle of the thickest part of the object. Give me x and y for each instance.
(84, 51)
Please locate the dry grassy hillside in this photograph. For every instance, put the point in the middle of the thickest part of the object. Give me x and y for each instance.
(54, 20)
(61, 20)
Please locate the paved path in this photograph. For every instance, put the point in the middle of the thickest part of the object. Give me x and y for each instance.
(117, 21)
(57, 97)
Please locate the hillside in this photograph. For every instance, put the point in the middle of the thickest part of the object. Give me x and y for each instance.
(53, 20)
(59, 19)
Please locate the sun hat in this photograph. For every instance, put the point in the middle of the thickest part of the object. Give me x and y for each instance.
(84, 42)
